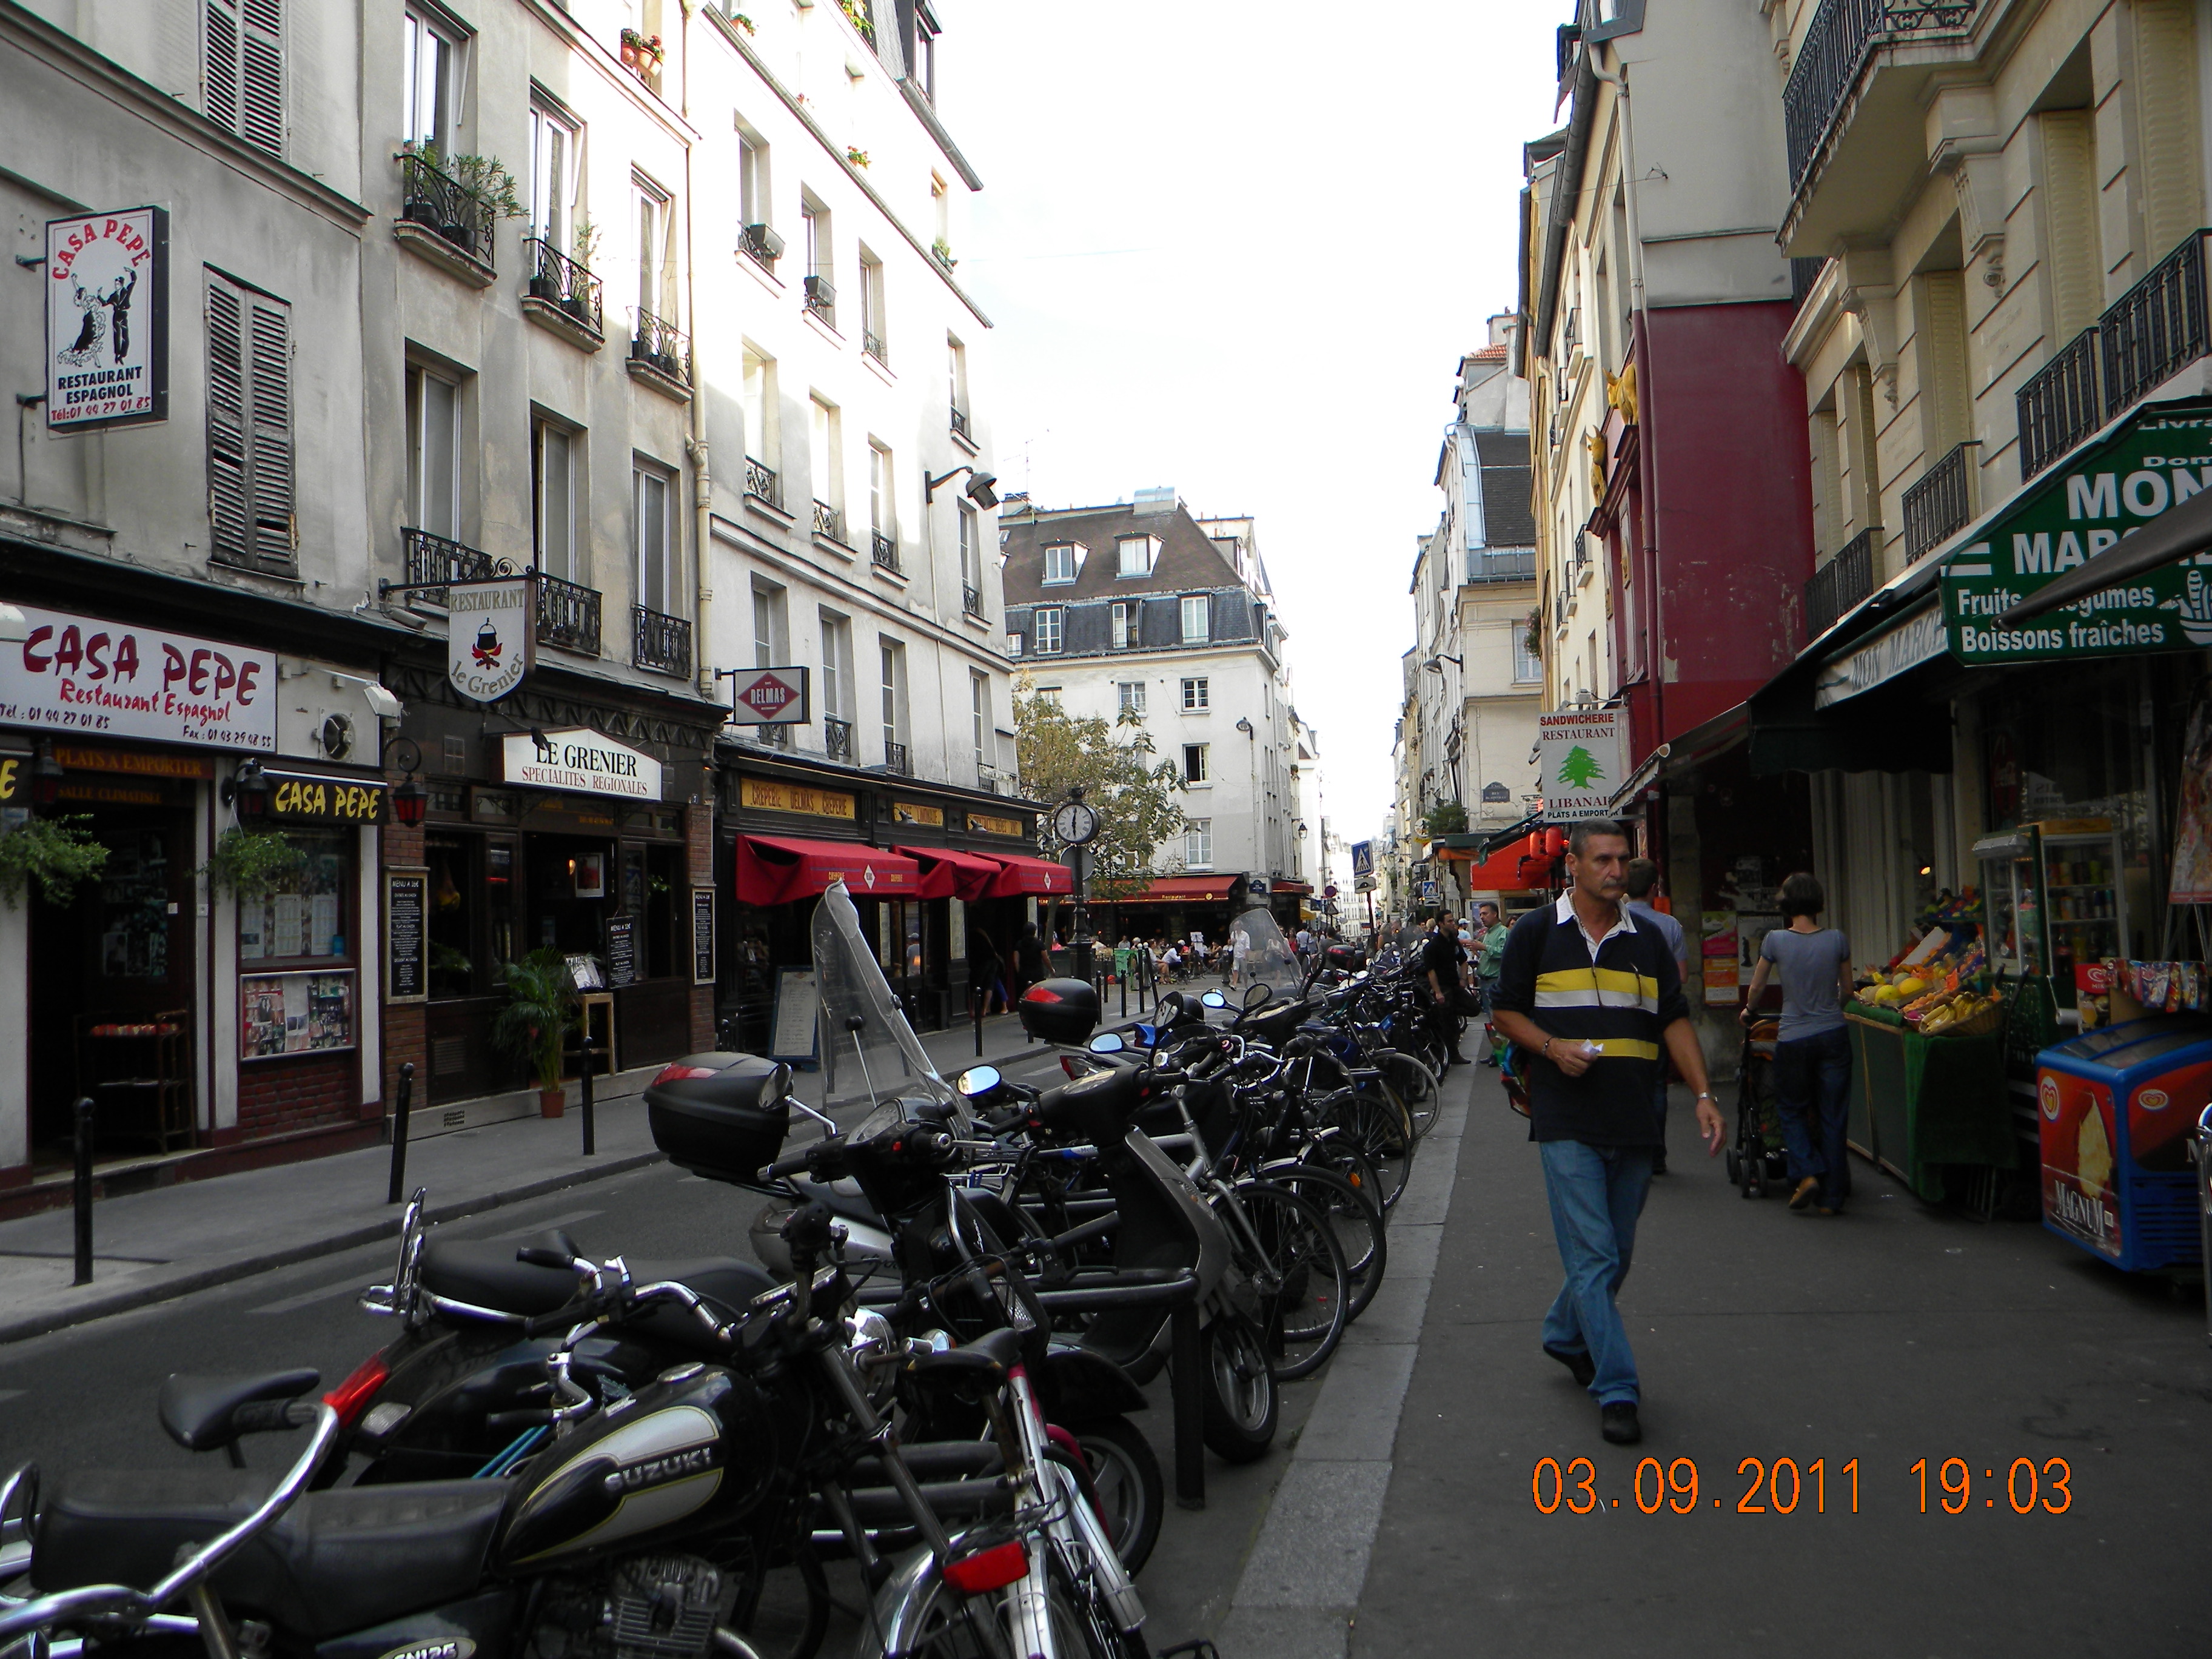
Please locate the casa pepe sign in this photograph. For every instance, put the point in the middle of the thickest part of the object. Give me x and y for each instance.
(581, 760)
(107, 320)
(489, 629)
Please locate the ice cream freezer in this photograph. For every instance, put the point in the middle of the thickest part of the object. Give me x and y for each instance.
(2115, 1109)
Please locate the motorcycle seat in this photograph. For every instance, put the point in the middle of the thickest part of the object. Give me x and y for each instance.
(336, 1562)
(484, 1273)
(984, 1361)
(201, 1412)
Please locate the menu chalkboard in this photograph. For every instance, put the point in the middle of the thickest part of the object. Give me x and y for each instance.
(702, 936)
(406, 972)
(622, 951)
(797, 1003)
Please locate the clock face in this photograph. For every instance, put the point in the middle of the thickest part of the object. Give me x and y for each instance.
(1075, 823)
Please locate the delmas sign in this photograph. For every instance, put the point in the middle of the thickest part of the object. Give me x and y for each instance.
(2093, 499)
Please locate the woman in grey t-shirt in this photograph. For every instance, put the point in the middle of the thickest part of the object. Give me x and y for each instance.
(1813, 1059)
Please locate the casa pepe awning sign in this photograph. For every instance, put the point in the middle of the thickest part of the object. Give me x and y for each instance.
(581, 760)
(2088, 502)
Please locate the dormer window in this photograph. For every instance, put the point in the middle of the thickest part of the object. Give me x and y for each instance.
(1139, 554)
(1060, 564)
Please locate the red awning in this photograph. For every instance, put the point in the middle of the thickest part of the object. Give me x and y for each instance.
(947, 874)
(1019, 875)
(776, 869)
(1294, 887)
(1500, 872)
(1180, 889)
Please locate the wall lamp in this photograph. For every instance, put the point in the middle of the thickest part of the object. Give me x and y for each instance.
(1436, 665)
(981, 487)
(249, 792)
(46, 775)
(410, 800)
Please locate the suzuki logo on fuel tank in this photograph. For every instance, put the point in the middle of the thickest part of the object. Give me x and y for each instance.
(450, 1647)
(660, 1471)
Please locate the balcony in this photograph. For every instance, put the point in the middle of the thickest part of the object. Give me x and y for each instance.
(660, 643)
(898, 758)
(762, 245)
(987, 777)
(971, 600)
(960, 428)
(1853, 105)
(1517, 566)
(829, 522)
(871, 345)
(659, 357)
(837, 738)
(1937, 503)
(455, 222)
(884, 551)
(762, 483)
(821, 300)
(1839, 586)
(568, 614)
(428, 558)
(565, 295)
(2145, 338)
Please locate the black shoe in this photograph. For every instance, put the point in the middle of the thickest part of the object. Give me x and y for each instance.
(1618, 1423)
(1460, 1060)
(1490, 1060)
(1581, 1365)
(1659, 1164)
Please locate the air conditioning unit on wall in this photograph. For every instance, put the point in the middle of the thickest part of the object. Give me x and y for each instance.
(325, 715)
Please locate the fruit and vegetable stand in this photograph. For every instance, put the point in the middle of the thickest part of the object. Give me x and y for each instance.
(1920, 1102)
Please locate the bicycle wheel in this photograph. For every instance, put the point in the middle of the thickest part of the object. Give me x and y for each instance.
(1419, 1088)
(1375, 1120)
(1353, 1216)
(1293, 1268)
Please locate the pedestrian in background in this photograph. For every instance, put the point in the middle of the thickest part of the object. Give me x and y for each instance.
(1812, 1055)
(1490, 952)
(1590, 994)
(1642, 888)
(1442, 961)
(1030, 964)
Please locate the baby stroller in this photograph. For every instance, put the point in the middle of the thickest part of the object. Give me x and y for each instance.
(1756, 1163)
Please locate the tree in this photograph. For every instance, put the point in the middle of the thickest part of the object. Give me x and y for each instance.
(1580, 769)
(1135, 799)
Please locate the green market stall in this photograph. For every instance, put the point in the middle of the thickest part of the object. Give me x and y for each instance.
(1920, 1103)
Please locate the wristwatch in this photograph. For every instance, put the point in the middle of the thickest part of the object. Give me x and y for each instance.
(1705, 1095)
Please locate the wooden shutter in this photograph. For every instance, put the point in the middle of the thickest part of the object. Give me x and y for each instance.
(261, 106)
(2069, 222)
(1940, 335)
(219, 70)
(226, 422)
(2165, 107)
(268, 410)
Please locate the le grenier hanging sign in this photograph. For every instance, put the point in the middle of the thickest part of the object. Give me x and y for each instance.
(2088, 502)
(82, 675)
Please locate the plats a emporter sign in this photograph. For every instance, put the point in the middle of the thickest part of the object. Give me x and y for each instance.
(1583, 764)
(489, 629)
(580, 759)
(107, 320)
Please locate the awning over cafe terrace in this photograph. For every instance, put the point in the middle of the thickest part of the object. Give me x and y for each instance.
(949, 874)
(1020, 875)
(777, 869)
(1179, 890)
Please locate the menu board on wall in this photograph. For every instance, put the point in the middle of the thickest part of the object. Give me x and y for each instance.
(295, 1013)
(702, 936)
(406, 940)
(797, 1002)
(622, 951)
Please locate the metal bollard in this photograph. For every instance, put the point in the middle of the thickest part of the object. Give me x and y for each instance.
(400, 1114)
(1189, 1385)
(591, 1139)
(82, 1194)
(976, 998)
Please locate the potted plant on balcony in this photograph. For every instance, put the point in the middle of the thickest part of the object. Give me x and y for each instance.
(541, 1008)
(483, 183)
(743, 22)
(943, 249)
(856, 155)
(632, 49)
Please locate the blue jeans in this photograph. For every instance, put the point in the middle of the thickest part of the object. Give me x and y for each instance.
(1596, 1193)
(1811, 1090)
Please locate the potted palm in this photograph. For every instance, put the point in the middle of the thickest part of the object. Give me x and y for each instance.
(541, 1008)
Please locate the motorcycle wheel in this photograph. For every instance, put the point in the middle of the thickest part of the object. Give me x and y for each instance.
(948, 1622)
(1241, 1406)
(1356, 1220)
(1125, 1475)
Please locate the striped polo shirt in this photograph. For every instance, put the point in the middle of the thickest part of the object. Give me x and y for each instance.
(1619, 993)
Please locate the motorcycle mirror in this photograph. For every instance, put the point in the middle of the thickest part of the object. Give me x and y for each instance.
(1107, 1042)
(1214, 999)
(1256, 995)
(856, 1023)
(779, 1081)
(978, 1080)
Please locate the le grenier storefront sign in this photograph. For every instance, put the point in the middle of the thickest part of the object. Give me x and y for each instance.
(2089, 502)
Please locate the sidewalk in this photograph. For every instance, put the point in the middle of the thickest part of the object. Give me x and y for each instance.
(169, 1241)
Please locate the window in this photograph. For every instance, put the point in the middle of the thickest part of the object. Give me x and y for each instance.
(872, 335)
(892, 654)
(1124, 624)
(828, 486)
(957, 370)
(304, 916)
(880, 491)
(1059, 565)
(1131, 697)
(553, 173)
(656, 549)
(1197, 621)
(1138, 553)
(656, 253)
(1198, 843)
(752, 179)
(243, 69)
(979, 705)
(760, 420)
(1013, 645)
(434, 405)
(553, 480)
(1048, 694)
(925, 51)
(821, 290)
(1528, 665)
(971, 559)
(1194, 763)
(836, 666)
(771, 625)
(1194, 695)
(249, 425)
(1048, 631)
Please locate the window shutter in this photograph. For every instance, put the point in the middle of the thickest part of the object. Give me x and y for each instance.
(226, 422)
(261, 54)
(269, 409)
(2166, 100)
(220, 69)
(2069, 222)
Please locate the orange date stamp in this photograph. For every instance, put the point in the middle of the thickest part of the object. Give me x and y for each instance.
(1785, 1487)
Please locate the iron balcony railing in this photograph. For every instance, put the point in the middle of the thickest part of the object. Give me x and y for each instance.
(2145, 336)
(560, 281)
(1518, 566)
(761, 481)
(764, 246)
(898, 758)
(882, 549)
(971, 599)
(463, 216)
(838, 737)
(657, 342)
(987, 777)
(826, 521)
(775, 736)
(661, 642)
(429, 558)
(568, 614)
(1840, 584)
(1844, 35)
(872, 345)
(1937, 503)
(960, 424)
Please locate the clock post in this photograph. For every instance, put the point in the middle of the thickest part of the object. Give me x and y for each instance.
(1076, 825)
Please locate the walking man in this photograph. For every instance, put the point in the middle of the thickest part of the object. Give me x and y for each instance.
(1589, 994)
(1643, 886)
(1489, 956)
(1440, 957)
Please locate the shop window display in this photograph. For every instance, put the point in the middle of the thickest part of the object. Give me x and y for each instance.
(305, 915)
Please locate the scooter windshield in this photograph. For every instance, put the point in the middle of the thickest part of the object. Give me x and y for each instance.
(1263, 957)
(867, 1044)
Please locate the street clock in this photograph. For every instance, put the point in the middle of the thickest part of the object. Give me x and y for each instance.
(1075, 823)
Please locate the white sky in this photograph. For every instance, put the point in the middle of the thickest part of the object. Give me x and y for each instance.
(1238, 249)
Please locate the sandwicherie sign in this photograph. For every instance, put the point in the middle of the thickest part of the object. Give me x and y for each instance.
(581, 760)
